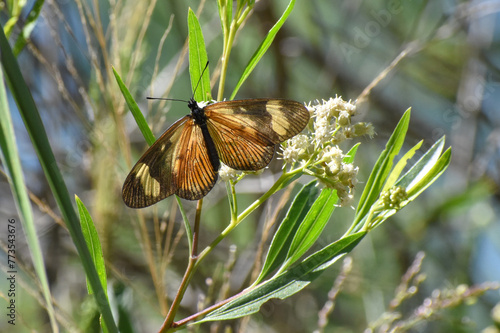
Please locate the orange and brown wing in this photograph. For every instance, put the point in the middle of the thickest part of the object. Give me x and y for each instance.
(195, 175)
(245, 132)
(177, 163)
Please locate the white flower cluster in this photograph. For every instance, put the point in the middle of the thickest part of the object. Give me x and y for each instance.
(329, 118)
(318, 151)
(297, 148)
(226, 173)
(337, 174)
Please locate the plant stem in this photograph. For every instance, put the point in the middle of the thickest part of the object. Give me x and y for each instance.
(194, 251)
(167, 324)
(188, 274)
(225, 59)
(275, 188)
(209, 309)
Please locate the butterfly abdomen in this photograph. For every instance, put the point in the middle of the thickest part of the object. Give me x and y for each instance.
(200, 119)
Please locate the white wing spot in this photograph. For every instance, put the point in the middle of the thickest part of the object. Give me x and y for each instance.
(279, 121)
(150, 185)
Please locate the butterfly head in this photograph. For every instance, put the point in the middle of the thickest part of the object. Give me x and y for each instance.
(193, 105)
(197, 112)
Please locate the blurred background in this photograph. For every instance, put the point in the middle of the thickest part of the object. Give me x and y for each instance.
(441, 58)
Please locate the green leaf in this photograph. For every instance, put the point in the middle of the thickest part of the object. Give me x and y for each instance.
(93, 244)
(381, 169)
(287, 283)
(12, 165)
(15, 8)
(420, 176)
(38, 136)
(198, 60)
(136, 112)
(427, 169)
(312, 225)
(261, 50)
(396, 172)
(28, 26)
(349, 157)
(284, 235)
(225, 14)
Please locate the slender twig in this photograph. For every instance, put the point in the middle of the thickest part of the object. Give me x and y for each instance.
(188, 274)
(194, 251)
(167, 324)
(410, 49)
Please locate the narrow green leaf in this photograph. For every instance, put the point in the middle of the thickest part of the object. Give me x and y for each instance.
(28, 26)
(422, 166)
(284, 235)
(287, 283)
(261, 50)
(312, 225)
(396, 172)
(14, 8)
(382, 168)
(430, 177)
(38, 136)
(423, 173)
(12, 164)
(93, 244)
(198, 60)
(349, 157)
(136, 112)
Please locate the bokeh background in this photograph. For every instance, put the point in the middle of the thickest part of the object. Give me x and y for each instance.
(441, 58)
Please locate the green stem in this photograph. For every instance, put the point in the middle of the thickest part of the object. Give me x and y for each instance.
(275, 188)
(225, 59)
(234, 212)
(237, 21)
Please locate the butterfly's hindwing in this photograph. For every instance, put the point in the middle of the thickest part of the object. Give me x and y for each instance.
(245, 132)
(240, 148)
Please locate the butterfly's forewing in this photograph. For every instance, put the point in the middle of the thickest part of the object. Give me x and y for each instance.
(245, 132)
(177, 163)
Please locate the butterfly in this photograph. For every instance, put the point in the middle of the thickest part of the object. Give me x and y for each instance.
(243, 134)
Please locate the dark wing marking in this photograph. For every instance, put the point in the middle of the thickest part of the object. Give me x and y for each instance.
(151, 178)
(245, 132)
(177, 163)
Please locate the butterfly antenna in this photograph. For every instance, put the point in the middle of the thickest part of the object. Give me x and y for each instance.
(199, 80)
(181, 100)
(168, 99)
